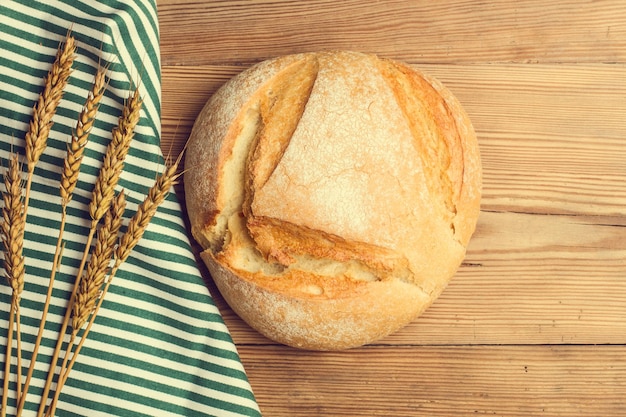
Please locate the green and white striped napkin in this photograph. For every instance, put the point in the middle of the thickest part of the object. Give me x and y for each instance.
(159, 346)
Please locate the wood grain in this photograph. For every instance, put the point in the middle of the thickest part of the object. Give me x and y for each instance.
(527, 279)
(551, 139)
(534, 323)
(450, 31)
(441, 381)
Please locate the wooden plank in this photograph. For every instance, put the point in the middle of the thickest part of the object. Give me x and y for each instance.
(527, 279)
(184, 91)
(551, 137)
(451, 31)
(440, 381)
(532, 279)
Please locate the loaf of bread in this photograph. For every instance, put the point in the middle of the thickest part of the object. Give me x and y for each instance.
(334, 195)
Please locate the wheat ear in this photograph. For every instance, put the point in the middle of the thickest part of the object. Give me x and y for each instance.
(109, 175)
(102, 198)
(12, 231)
(69, 179)
(80, 136)
(46, 106)
(94, 276)
(113, 162)
(139, 222)
(13, 228)
(137, 225)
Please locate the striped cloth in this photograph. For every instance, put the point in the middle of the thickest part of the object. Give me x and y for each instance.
(159, 346)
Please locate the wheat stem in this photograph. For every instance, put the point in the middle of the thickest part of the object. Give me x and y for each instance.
(38, 131)
(134, 232)
(7, 361)
(69, 178)
(18, 352)
(102, 198)
(90, 287)
(61, 337)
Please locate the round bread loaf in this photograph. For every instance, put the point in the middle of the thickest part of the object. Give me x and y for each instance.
(334, 195)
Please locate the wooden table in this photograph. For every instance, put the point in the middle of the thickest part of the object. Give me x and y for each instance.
(534, 323)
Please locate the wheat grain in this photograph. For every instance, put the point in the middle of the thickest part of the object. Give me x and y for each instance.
(80, 136)
(48, 101)
(90, 285)
(146, 210)
(12, 229)
(113, 162)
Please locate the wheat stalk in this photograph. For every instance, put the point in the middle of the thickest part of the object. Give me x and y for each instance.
(137, 225)
(102, 197)
(14, 212)
(92, 283)
(36, 140)
(89, 290)
(12, 231)
(69, 179)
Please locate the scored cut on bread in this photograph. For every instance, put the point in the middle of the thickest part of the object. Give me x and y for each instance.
(334, 195)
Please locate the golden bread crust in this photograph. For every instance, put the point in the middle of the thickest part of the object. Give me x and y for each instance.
(334, 194)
